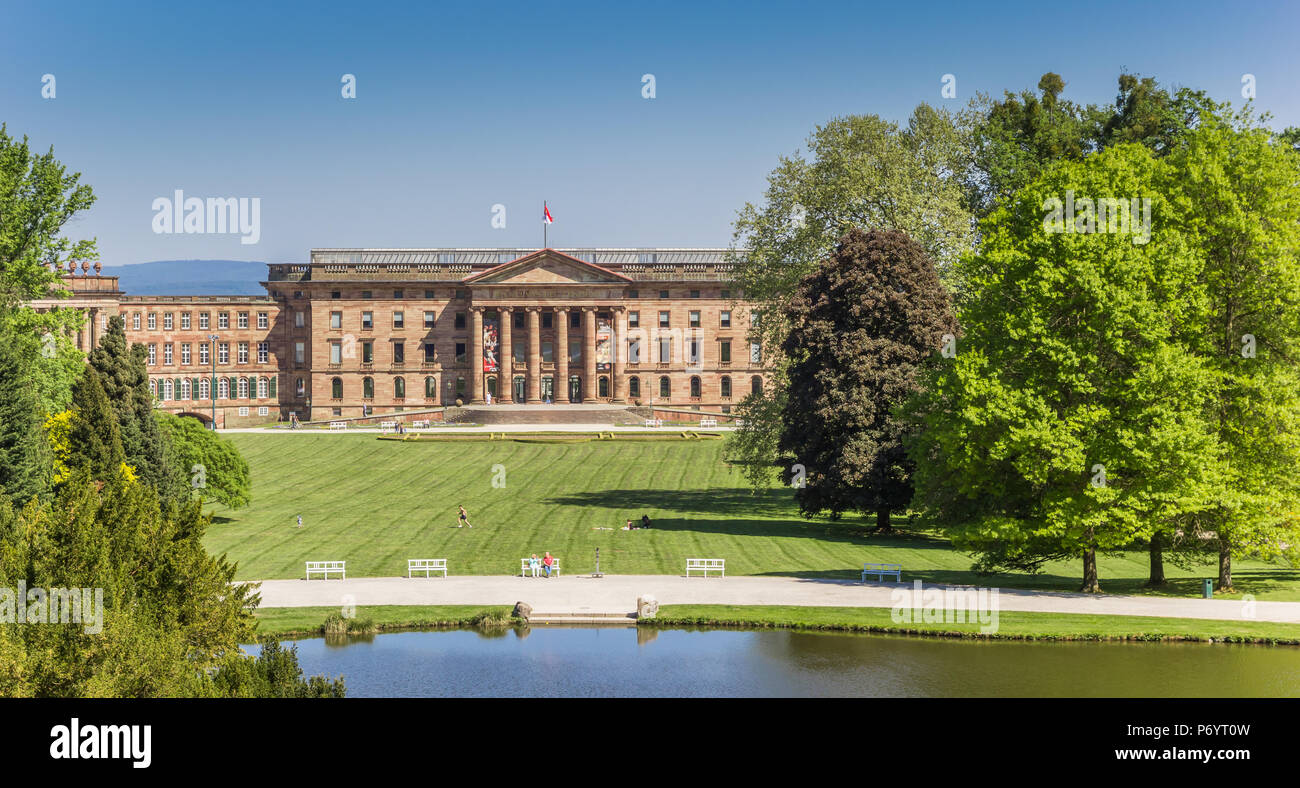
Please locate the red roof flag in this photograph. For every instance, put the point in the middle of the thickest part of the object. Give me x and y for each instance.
(546, 215)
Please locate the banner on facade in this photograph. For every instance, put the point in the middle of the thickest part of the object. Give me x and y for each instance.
(603, 346)
(490, 333)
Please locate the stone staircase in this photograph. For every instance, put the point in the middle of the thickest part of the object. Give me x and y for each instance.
(547, 414)
(565, 619)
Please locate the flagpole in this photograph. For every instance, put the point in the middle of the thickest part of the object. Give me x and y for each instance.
(544, 227)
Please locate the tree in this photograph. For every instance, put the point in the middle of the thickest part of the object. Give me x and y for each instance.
(95, 442)
(274, 673)
(26, 464)
(1072, 419)
(860, 171)
(861, 327)
(217, 470)
(1235, 188)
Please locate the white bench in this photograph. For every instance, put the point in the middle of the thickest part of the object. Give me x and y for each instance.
(738, 423)
(555, 567)
(420, 423)
(880, 570)
(338, 425)
(385, 426)
(706, 565)
(325, 567)
(708, 422)
(654, 422)
(426, 565)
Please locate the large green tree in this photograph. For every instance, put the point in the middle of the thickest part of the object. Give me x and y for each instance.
(862, 325)
(26, 464)
(217, 470)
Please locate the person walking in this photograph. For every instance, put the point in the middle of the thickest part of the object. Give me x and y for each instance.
(464, 518)
(300, 521)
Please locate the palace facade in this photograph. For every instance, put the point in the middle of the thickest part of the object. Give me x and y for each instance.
(363, 332)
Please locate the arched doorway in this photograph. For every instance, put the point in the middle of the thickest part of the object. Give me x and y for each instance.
(492, 386)
(602, 387)
(520, 389)
(548, 388)
(575, 388)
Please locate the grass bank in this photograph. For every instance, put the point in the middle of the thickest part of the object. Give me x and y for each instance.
(1011, 625)
(289, 622)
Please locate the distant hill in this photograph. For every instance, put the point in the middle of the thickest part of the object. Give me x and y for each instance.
(190, 277)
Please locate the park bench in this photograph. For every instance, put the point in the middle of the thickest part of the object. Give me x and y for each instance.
(880, 570)
(338, 425)
(426, 565)
(420, 423)
(325, 567)
(706, 565)
(385, 426)
(708, 422)
(555, 567)
(738, 423)
(654, 422)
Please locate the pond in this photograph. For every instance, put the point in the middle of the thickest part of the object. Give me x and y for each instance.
(595, 662)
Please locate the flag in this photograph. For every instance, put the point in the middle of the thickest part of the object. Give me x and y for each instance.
(546, 215)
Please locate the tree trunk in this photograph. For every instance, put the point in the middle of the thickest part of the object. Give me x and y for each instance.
(1157, 577)
(1225, 568)
(1090, 584)
(882, 521)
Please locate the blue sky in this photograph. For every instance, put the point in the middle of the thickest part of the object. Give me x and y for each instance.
(463, 106)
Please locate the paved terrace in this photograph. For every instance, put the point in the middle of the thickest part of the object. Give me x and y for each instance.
(618, 593)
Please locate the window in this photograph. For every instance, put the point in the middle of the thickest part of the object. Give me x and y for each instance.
(665, 349)
(634, 387)
(243, 352)
(663, 293)
(547, 318)
(367, 320)
(203, 353)
(336, 388)
(634, 351)
(430, 387)
(695, 386)
(185, 353)
(243, 410)
(367, 388)
(301, 388)
(755, 353)
(602, 387)
(695, 294)
(299, 318)
(297, 294)
(167, 389)
(153, 354)
(726, 388)
(756, 385)
(262, 411)
(368, 352)
(665, 390)
(336, 353)
(429, 319)
(399, 388)
(633, 319)
(263, 320)
(203, 321)
(447, 258)
(135, 322)
(429, 294)
(243, 320)
(153, 387)
(460, 320)
(519, 350)
(663, 320)
(575, 319)
(724, 351)
(167, 321)
(365, 294)
(646, 257)
(548, 352)
(336, 294)
(261, 388)
(695, 320)
(519, 318)
(243, 388)
(398, 293)
(336, 320)
(223, 388)
(428, 353)
(299, 352)
(399, 352)
(271, 383)
(575, 352)
(726, 294)
(399, 320)
(204, 389)
(724, 318)
(693, 351)
(460, 353)
(223, 320)
(153, 321)
(223, 352)
(185, 321)
(633, 294)
(462, 294)
(263, 352)
(167, 354)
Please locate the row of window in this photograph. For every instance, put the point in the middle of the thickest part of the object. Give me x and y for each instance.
(200, 388)
(575, 319)
(204, 355)
(634, 387)
(461, 295)
(223, 320)
(693, 347)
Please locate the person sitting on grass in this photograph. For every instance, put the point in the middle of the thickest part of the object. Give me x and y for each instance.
(547, 563)
(534, 564)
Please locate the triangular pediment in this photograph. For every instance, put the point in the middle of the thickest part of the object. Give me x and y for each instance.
(547, 267)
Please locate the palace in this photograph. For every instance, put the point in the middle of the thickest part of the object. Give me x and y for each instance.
(358, 332)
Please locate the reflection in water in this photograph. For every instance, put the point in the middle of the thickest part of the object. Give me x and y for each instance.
(624, 662)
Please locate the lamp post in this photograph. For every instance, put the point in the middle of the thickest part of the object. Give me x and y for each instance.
(213, 339)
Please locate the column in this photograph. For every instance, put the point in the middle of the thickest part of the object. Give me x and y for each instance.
(94, 329)
(534, 354)
(476, 356)
(505, 377)
(562, 354)
(589, 354)
(618, 349)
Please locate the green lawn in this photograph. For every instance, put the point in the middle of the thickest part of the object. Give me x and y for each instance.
(377, 503)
